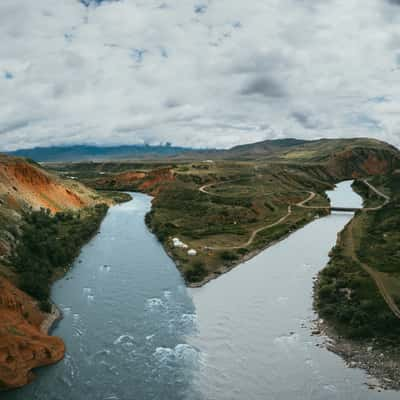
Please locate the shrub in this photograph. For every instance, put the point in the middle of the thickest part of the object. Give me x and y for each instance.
(228, 256)
(195, 272)
(50, 242)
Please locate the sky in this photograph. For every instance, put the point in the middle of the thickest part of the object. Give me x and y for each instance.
(199, 73)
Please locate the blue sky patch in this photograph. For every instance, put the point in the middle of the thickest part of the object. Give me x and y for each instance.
(378, 99)
(137, 54)
(8, 75)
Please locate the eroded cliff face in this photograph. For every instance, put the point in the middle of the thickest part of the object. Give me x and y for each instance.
(24, 343)
(24, 184)
(149, 182)
(156, 179)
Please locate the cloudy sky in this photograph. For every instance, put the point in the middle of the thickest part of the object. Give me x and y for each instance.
(197, 72)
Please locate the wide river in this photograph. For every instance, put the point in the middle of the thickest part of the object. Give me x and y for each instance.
(133, 331)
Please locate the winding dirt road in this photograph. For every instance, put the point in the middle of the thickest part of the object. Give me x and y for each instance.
(379, 193)
(254, 233)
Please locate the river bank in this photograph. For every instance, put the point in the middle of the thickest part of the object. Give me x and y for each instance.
(381, 362)
(242, 259)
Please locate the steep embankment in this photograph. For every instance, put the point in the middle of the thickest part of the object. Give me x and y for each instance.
(24, 343)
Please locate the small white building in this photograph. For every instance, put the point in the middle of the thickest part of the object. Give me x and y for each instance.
(192, 252)
(178, 243)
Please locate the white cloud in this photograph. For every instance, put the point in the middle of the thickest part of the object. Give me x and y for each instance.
(199, 73)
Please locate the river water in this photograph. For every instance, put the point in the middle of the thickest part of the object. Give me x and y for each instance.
(134, 332)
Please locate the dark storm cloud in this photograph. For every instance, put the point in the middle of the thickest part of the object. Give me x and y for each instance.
(263, 86)
(304, 119)
(13, 126)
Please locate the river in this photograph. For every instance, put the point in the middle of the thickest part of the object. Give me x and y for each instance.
(133, 331)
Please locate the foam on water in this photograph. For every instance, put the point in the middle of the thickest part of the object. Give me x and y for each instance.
(167, 294)
(126, 338)
(181, 352)
(154, 304)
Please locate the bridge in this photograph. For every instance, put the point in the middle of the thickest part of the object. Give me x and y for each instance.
(345, 209)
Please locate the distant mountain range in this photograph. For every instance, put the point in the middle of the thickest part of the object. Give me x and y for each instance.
(285, 149)
(96, 153)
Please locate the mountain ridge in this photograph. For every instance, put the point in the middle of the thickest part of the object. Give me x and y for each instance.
(265, 148)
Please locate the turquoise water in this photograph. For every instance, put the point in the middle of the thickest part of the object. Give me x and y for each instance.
(134, 331)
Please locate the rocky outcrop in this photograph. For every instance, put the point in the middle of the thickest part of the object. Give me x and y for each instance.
(24, 340)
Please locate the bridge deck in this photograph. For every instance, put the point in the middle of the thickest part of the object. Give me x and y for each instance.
(346, 209)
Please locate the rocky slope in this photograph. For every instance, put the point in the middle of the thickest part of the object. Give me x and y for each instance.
(24, 342)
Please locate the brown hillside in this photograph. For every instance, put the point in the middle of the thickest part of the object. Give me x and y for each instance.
(24, 184)
(151, 181)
